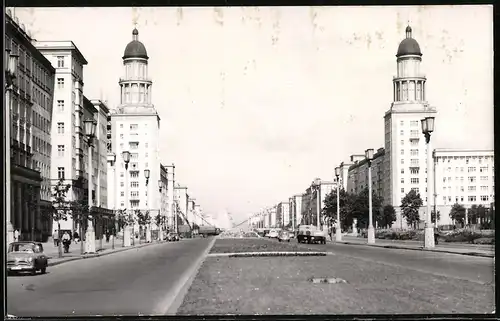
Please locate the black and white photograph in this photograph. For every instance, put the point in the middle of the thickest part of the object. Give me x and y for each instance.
(237, 160)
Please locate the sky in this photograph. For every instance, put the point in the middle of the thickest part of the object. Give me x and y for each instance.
(256, 102)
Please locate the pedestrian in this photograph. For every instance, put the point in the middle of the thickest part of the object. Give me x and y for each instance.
(66, 239)
(55, 237)
(16, 235)
(436, 235)
(76, 237)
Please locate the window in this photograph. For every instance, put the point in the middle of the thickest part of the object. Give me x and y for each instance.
(60, 128)
(60, 150)
(122, 194)
(471, 169)
(414, 123)
(146, 154)
(146, 145)
(402, 142)
(134, 174)
(60, 83)
(414, 170)
(121, 136)
(471, 188)
(60, 172)
(134, 193)
(122, 184)
(414, 180)
(402, 180)
(134, 145)
(414, 143)
(60, 105)
(121, 125)
(414, 162)
(134, 126)
(134, 156)
(402, 152)
(484, 198)
(60, 61)
(402, 190)
(401, 132)
(122, 204)
(402, 170)
(134, 184)
(121, 145)
(484, 178)
(472, 179)
(401, 123)
(402, 161)
(415, 189)
(414, 152)
(471, 198)
(122, 174)
(483, 169)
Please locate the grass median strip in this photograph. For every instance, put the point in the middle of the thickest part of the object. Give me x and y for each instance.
(235, 280)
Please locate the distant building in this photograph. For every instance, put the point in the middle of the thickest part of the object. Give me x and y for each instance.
(29, 139)
(295, 210)
(358, 174)
(309, 202)
(181, 197)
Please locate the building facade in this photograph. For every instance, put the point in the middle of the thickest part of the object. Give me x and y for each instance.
(296, 210)
(164, 194)
(357, 178)
(135, 127)
(466, 177)
(101, 152)
(29, 114)
(182, 202)
(405, 146)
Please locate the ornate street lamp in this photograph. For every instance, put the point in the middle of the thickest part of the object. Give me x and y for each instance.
(10, 76)
(126, 227)
(427, 129)
(371, 231)
(90, 127)
(147, 172)
(338, 232)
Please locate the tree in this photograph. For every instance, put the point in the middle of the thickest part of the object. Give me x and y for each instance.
(80, 214)
(361, 209)
(457, 213)
(387, 217)
(346, 202)
(410, 205)
(433, 216)
(123, 219)
(143, 219)
(60, 207)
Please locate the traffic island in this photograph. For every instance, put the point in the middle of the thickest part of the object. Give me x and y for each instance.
(249, 245)
(327, 285)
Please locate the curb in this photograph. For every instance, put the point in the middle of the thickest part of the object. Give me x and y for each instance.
(267, 254)
(104, 253)
(421, 249)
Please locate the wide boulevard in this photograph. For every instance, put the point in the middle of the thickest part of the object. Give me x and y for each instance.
(141, 281)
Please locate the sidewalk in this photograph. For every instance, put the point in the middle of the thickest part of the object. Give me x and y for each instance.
(74, 250)
(461, 248)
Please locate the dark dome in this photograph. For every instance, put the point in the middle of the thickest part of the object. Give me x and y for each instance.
(135, 48)
(409, 46)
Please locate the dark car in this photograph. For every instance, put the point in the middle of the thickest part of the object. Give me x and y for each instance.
(311, 234)
(172, 237)
(26, 257)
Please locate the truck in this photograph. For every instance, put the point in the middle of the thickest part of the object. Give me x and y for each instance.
(184, 231)
(208, 231)
(311, 234)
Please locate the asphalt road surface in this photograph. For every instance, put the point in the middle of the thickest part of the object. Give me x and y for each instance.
(454, 266)
(133, 282)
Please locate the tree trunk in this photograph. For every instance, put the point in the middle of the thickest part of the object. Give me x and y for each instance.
(59, 246)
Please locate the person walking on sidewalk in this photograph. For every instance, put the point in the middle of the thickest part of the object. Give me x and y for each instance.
(16, 235)
(55, 237)
(76, 237)
(436, 236)
(66, 239)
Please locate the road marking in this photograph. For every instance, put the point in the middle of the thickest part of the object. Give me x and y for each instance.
(275, 253)
(174, 298)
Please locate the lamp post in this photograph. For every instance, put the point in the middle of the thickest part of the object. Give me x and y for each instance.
(126, 227)
(338, 232)
(90, 127)
(427, 129)
(147, 173)
(113, 235)
(161, 226)
(10, 76)
(317, 184)
(371, 229)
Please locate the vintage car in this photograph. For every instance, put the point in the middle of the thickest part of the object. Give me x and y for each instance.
(311, 234)
(26, 257)
(172, 237)
(284, 236)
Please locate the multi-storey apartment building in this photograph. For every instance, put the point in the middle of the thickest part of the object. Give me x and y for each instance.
(466, 177)
(170, 206)
(181, 197)
(190, 212)
(309, 201)
(135, 126)
(164, 201)
(29, 117)
(283, 214)
(296, 210)
(101, 152)
(357, 178)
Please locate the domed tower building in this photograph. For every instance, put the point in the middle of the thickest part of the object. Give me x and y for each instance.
(135, 128)
(405, 146)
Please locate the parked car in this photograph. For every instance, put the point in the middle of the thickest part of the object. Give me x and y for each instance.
(284, 236)
(26, 256)
(273, 234)
(172, 237)
(311, 234)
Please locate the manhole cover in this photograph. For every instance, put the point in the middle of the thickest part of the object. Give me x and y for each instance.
(327, 280)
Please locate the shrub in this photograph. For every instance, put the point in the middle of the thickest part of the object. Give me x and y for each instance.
(484, 240)
(462, 235)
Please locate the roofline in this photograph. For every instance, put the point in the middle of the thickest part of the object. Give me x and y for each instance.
(450, 150)
(87, 103)
(380, 152)
(75, 48)
(101, 105)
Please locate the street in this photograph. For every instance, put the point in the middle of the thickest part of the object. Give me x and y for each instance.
(473, 269)
(133, 282)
